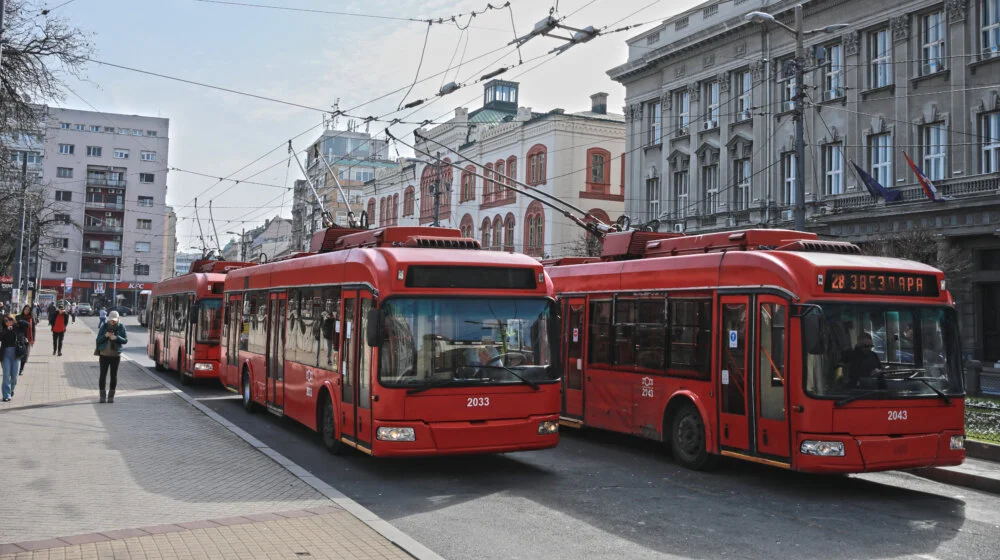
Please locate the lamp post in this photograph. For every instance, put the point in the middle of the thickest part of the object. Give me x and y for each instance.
(800, 143)
(242, 234)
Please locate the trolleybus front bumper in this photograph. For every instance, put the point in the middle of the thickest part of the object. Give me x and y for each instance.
(469, 437)
(844, 453)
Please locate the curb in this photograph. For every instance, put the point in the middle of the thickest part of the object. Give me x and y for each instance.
(959, 478)
(982, 450)
(402, 540)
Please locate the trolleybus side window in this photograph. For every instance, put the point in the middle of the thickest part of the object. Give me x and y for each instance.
(329, 328)
(733, 342)
(161, 307)
(599, 341)
(364, 360)
(640, 332)
(691, 335)
(257, 336)
(244, 333)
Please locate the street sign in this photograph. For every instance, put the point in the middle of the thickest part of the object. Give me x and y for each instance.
(98, 287)
(69, 283)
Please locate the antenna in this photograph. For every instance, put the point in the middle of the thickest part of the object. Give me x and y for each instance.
(211, 219)
(201, 234)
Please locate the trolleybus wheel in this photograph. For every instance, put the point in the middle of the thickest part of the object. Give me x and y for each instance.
(248, 404)
(688, 439)
(328, 428)
(156, 360)
(185, 380)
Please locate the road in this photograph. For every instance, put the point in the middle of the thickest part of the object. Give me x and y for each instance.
(601, 495)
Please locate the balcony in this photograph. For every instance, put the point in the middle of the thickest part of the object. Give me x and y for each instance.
(89, 252)
(98, 182)
(105, 205)
(102, 229)
(100, 276)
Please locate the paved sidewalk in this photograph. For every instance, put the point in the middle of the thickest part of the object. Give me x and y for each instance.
(977, 474)
(149, 476)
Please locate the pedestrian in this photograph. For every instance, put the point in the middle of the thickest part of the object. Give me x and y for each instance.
(58, 323)
(103, 318)
(11, 342)
(72, 311)
(28, 316)
(110, 339)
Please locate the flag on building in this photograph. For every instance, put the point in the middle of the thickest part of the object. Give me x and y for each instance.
(875, 188)
(925, 182)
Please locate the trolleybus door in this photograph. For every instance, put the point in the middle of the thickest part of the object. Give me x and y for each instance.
(364, 369)
(356, 362)
(276, 352)
(573, 311)
(733, 375)
(772, 430)
(168, 325)
(189, 333)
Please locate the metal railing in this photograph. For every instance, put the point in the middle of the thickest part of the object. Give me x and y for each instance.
(103, 276)
(102, 229)
(106, 205)
(93, 182)
(102, 252)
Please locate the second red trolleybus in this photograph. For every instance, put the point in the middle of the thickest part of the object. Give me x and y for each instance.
(185, 317)
(765, 345)
(399, 342)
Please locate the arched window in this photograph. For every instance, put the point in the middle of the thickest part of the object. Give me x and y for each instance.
(598, 170)
(447, 187)
(534, 229)
(484, 230)
(488, 183)
(600, 214)
(381, 212)
(499, 189)
(497, 232)
(468, 184)
(395, 209)
(408, 197)
(466, 226)
(512, 173)
(427, 179)
(536, 165)
(508, 233)
(371, 210)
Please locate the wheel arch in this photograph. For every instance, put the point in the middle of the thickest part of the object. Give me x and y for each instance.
(674, 404)
(326, 391)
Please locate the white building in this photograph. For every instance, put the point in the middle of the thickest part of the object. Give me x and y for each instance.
(275, 241)
(574, 157)
(183, 260)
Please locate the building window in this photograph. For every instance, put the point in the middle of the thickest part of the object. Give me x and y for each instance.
(833, 169)
(742, 172)
(142, 246)
(709, 11)
(143, 224)
(990, 134)
(466, 226)
(121, 154)
(64, 172)
(150, 133)
(147, 155)
(653, 198)
(61, 218)
(468, 191)
(991, 28)
(536, 165)
(146, 201)
(711, 100)
(66, 149)
(499, 168)
(681, 23)
(136, 132)
(109, 129)
(18, 157)
(57, 266)
(408, 200)
(64, 125)
(879, 58)
(371, 209)
(484, 231)
(932, 36)
(512, 174)
(61, 243)
(710, 182)
(488, 183)
(146, 177)
(654, 123)
(744, 90)
(652, 38)
(508, 233)
(534, 225)
(787, 179)
(497, 233)
(142, 270)
(64, 196)
(94, 128)
(682, 102)
(94, 151)
(599, 170)
(681, 186)
(932, 145)
(880, 158)
(789, 88)
(833, 73)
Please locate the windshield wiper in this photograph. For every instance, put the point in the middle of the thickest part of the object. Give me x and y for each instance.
(853, 398)
(422, 388)
(529, 382)
(939, 392)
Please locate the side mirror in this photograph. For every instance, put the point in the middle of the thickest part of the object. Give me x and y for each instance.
(813, 327)
(373, 330)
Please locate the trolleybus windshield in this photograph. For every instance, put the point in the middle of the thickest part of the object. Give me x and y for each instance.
(885, 352)
(467, 341)
(209, 320)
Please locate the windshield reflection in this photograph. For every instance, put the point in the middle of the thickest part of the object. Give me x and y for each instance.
(451, 341)
(209, 321)
(885, 351)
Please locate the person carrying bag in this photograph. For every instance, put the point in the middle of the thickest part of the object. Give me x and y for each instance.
(110, 339)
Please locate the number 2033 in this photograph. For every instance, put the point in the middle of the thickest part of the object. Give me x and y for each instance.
(478, 401)
(897, 415)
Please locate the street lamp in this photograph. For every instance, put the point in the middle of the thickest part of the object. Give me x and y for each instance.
(764, 18)
(242, 235)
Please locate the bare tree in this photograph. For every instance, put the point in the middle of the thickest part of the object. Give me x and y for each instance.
(922, 246)
(587, 245)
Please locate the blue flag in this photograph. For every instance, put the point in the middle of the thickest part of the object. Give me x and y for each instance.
(875, 188)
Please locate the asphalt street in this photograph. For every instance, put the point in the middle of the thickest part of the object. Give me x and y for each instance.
(601, 495)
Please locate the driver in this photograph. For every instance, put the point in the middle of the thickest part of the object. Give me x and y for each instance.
(862, 361)
(481, 355)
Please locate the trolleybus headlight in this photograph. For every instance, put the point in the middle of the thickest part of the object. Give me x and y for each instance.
(822, 448)
(958, 442)
(203, 367)
(546, 428)
(396, 434)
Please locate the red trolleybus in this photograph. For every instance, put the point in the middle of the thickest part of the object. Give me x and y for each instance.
(398, 342)
(186, 317)
(765, 345)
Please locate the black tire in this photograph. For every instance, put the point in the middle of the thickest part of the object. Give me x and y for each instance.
(156, 360)
(328, 428)
(185, 380)
(687, 439)
(248, 404)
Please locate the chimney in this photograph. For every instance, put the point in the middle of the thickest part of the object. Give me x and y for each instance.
(599, 103)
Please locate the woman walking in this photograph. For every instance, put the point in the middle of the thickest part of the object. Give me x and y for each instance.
(110, 339)
(10, 332)
(28, 316)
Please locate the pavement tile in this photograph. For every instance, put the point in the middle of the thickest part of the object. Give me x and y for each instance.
(198, 524)
(84, 539)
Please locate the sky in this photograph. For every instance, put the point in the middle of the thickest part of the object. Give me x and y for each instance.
(314, 59)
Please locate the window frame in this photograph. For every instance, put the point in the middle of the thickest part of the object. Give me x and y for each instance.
(682, 187)
(833, 169)
(744, 94)
(934, 150)
(682, 101)
(710, 95)
(880, 158)
(933, 42)
(989, 28)
(788, 169)
(989, 133)
(654, 123)
(654, 195)
(711, 188)
(880, 58)
(742, 176)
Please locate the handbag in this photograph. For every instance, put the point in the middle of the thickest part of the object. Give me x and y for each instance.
(21, 345)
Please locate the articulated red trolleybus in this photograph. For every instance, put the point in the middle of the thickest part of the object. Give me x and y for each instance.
(766, 345)
(399, 341)
(186, 320)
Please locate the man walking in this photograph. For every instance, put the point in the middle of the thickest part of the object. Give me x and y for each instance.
(110, 339)
(58, 323)
(103, 318)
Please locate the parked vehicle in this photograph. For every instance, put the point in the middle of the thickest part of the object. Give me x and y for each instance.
(84, 309)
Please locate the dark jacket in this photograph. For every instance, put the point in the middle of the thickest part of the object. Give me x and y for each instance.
(65, 320)
(119, 332)
(33, 321)
(861, 362)
(8, 338)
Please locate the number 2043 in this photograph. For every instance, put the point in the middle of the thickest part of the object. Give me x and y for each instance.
(896, 415)
(478, 401)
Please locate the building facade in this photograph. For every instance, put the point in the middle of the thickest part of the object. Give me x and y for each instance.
(710, 105)
(273, 241)
(183, 261)
(169, 242)
(105, 176)
(572, 157)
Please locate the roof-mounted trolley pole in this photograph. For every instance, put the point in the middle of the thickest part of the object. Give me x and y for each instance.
(327, 217)
(351, 221)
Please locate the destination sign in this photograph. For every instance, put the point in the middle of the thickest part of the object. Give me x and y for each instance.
(881, 283)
